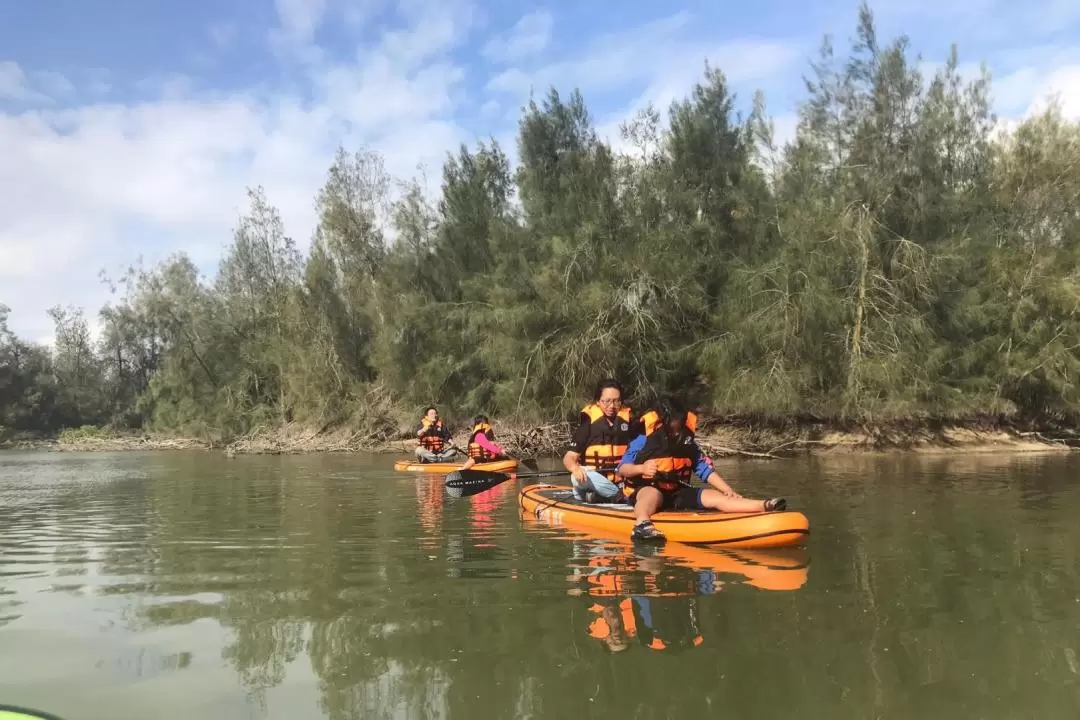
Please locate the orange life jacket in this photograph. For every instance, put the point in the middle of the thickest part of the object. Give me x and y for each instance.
(474, 449)
(435, 435)
(607, 440)
(690, 635)
(600, 628)
(674, 458)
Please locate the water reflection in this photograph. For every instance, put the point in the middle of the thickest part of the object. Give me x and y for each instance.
(304, 587)
(648, 594)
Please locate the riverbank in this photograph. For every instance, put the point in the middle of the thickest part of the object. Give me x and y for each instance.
(727, 437)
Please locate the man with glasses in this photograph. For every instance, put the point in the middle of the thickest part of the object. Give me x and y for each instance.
(604, 431)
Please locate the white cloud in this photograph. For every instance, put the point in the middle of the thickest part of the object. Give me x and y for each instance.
(657, 55)
(1034, 76)
(53, 84)
(998, 21)
(87, 184)
(784, 129)
(12, 80)
(528, 37)
(300, 18)
(358, 14)
(16, 86)
(659, 63)
(1012, 93)
(432, 28)
(98, 185)
(1062, 83)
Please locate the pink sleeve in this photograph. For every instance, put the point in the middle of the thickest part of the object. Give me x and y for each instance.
(491, 447)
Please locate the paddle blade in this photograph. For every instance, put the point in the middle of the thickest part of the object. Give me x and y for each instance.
(462, 483)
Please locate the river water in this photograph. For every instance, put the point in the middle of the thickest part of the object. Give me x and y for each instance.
(187, 585)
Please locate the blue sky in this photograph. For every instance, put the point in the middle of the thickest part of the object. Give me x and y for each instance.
(131, 128)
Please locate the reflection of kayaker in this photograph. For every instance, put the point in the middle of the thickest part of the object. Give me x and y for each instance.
(614, 625)
(429, 501)
(777, 569)
(656, 623)
(483, 507)
(643, 598)
(649, 594)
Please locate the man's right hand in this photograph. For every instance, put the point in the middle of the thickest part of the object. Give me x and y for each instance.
(648, 469)
(579, 474)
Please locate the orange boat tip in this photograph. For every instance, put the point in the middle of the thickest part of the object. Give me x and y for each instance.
(449, 467)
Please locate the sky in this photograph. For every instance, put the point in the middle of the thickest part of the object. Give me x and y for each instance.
(131, 129)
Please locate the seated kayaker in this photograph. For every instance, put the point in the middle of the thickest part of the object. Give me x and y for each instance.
(482, 446)
(434, 437)
(659, 464)
(603, 433)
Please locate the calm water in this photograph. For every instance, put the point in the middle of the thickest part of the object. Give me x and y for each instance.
(190, 586)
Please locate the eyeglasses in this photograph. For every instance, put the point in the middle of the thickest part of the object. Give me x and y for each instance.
(609, 401)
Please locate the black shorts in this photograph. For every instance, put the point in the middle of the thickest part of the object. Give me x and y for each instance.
(681, 498)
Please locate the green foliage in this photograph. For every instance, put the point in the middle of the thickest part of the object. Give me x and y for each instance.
(896, 258)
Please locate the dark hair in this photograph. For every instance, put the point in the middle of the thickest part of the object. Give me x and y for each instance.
(429, 408)
(604, 385)
(480, 419)
(670, 406)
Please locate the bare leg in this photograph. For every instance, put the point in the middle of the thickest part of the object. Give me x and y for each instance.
(646, 503)
(715, 500)
(469, 462)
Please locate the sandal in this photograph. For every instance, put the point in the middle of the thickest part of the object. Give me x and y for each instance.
(645, 530)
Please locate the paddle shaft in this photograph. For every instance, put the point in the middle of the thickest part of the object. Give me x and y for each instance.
(465, 478)
(462, 483)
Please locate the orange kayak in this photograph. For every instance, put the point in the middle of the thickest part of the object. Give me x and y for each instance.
(449, 467)
(556, 505)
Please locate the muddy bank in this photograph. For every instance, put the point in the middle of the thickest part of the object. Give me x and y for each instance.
(769, 443)
(721, 437)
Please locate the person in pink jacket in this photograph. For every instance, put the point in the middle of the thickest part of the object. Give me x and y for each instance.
(482, 446)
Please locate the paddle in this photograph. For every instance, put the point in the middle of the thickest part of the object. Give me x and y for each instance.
(463, 483)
